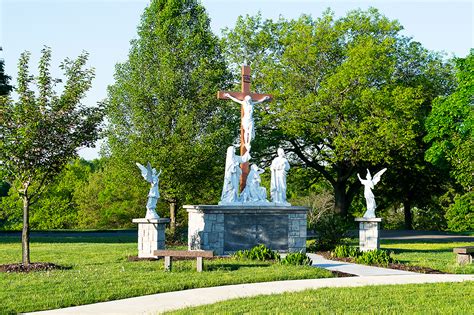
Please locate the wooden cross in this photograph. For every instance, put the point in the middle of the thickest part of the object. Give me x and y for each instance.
(240, 95)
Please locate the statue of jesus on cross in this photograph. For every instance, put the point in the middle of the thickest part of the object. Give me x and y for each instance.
(247, 119)
(247, 129)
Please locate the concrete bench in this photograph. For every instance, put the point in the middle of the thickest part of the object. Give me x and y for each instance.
(464, 254)
(199, 254)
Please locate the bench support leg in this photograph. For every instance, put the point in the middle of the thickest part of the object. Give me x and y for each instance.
(199, 264)
(464, 259)
(168, 263)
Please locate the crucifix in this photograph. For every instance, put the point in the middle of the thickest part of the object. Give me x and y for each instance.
(247, 100)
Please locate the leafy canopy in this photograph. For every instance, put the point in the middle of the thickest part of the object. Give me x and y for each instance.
(450, 127)
(162, 107)
(349, 92)
(41, 131)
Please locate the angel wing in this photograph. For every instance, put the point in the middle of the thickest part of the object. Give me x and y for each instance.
(368, 176)
(377, 176)
(146, 172)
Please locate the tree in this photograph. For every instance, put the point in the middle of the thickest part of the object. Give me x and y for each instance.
(57, 207)
(450, 128)
(410, 180)
(106, 200)
(348, 92)
(41, 131)
(163, 109)
(5, 89)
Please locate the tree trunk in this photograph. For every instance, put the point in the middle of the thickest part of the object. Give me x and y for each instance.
(341, 202)
(25, 235)
(408, 217)
(173, 216)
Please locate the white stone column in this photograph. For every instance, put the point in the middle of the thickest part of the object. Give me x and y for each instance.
(151, 236)
(369, 238)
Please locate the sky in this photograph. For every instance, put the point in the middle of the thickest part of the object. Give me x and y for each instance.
(104, 28)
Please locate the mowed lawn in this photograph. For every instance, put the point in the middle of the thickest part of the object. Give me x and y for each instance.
(100, 271)
(436, 254)
(437, 298)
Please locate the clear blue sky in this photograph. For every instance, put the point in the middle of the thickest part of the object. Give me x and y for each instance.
(104, 28)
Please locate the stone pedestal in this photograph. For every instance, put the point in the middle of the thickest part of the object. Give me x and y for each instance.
(369, 233)
(151, 235)
(227, 229)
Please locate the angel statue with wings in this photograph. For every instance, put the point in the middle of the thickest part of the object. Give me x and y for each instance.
(369, 184)
(152, 177)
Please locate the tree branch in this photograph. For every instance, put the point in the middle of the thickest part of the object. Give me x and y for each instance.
(315, 165)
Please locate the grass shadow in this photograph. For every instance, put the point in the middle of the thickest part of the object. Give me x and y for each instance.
(428, 240)
(120, 236)
(424, 251)
(231, 266)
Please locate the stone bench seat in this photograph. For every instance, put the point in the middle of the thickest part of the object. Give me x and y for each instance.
(464, 254)
(199, 254)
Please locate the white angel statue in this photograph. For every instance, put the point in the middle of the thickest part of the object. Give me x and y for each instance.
(369, 184)
(152, 177)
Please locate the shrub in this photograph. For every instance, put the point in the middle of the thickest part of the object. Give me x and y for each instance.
(259, 252)
(375, 257)
(341, 251)
(331, 229)
(296, 259)
(460, 215)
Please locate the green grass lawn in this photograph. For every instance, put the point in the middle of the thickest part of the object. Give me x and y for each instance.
(436, 255)
(438, 298)
(100, 271)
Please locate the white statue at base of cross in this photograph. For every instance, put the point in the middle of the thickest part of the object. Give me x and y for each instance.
(279, 169)
(254, 193)
(230, 189)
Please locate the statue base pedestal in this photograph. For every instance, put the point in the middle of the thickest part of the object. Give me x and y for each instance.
(226, 229)
(369, 233)
(151, 236)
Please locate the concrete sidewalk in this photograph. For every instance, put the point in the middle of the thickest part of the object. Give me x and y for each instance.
(355, 269)
(157, 303)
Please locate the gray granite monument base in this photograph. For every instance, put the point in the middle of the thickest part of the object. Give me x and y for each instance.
(369, 229)
(226, 229)
(151, 236)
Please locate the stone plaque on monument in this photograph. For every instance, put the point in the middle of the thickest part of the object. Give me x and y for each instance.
(227, 229)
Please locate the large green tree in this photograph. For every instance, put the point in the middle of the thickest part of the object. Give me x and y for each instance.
(5, 89)
(163, 107)
(450, 127)
(41, 131)
(349, 93)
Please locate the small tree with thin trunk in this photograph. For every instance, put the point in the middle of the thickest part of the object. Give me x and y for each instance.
(41, 131)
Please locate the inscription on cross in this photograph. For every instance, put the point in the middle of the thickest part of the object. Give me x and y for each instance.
(247, 100)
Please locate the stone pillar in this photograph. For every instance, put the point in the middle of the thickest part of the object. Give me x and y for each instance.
(206, 231)
(151, 236)
(369, 238)
(297, 232)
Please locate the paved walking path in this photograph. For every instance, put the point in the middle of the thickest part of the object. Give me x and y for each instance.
(355, 269)
(157, 303)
